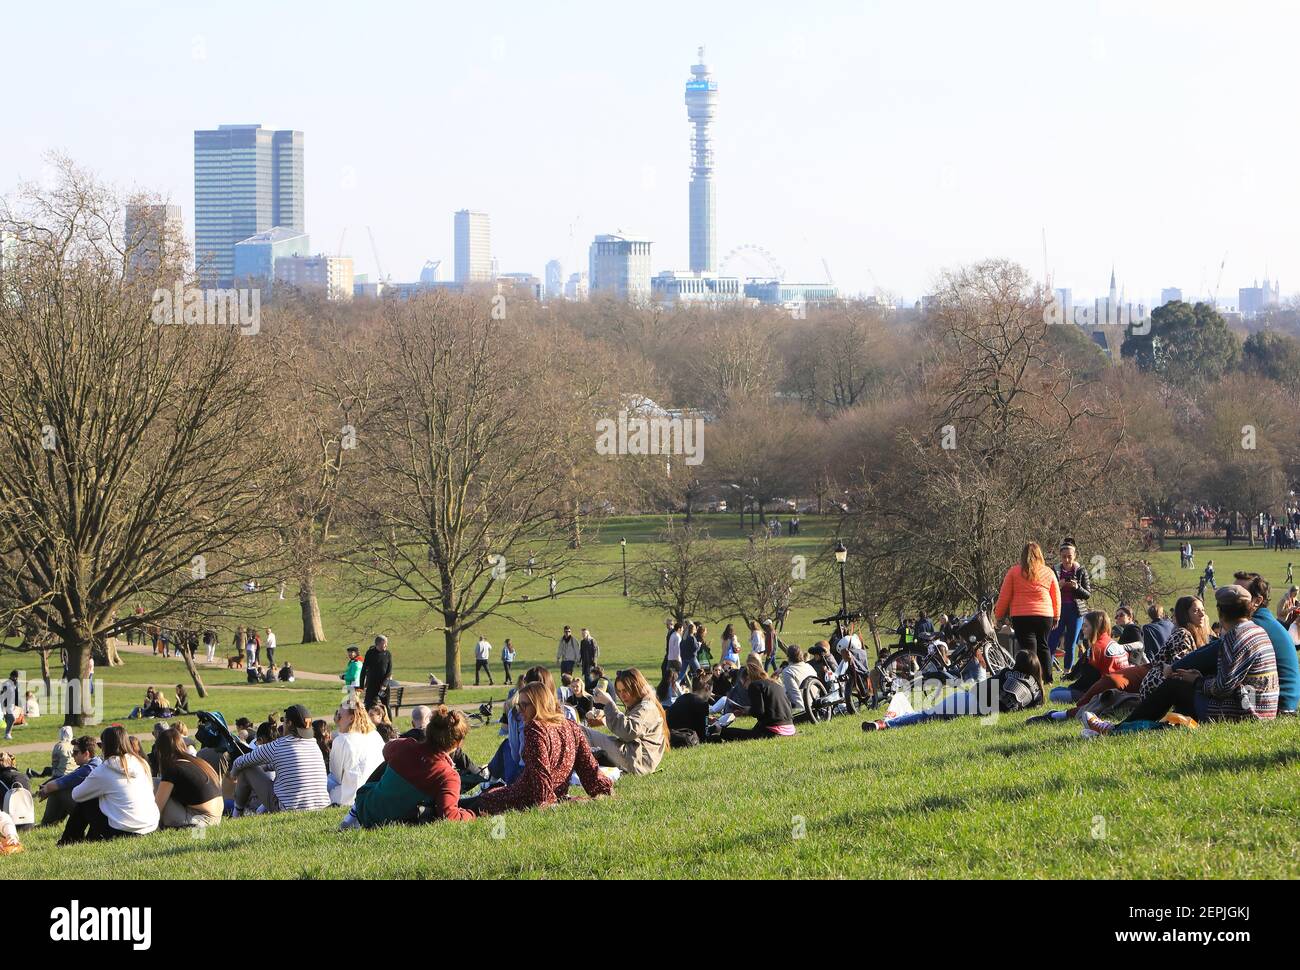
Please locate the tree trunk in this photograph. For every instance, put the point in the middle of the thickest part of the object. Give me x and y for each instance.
(452, 638)
(77, 698)
(45, 674)
(105, 652)
(313, 630)
(188, 656)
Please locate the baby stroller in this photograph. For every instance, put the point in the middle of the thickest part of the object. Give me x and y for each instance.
(212, 732)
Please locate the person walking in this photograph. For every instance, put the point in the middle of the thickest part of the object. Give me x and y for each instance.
(376, 670)
(482, 654)
(1207, 579)
(507, 658)
(567, 652)
(9, 703)
(1031, 599)
(351, 675)
(588, 653)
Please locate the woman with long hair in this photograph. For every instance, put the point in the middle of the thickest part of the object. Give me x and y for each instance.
(189, 792)
(639, 732)
(767, 704)
(1104, 657)
(116, 798)
(356, 751)
(1031, 598)
(1072, 579)
(730, 646)
(554, 749)
(508, 762)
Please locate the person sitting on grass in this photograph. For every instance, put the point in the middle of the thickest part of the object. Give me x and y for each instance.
(1102, 657)
(794, 672)
(639, 732)
(690, 712)
(189, 792)
(324, 737)
(765, 702)
(1016, 689)
(286, 774)
(1245, 686)
(60, 757)
(116, 799)
(58, 792)
(470, 773)
(1190, 632)
(508, 762)
(1284, 648)
(419, 781)
(554, 749)
(357, 750)
(670, 687)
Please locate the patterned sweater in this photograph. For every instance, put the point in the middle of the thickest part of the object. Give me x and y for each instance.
(552, 752)
(1246, 683)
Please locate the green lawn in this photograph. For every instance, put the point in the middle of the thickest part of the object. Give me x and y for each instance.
(946, 799)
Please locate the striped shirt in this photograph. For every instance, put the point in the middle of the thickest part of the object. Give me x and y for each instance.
(1246, 683)
(301, 782)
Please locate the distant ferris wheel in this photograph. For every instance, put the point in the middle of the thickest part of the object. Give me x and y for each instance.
(750, 252)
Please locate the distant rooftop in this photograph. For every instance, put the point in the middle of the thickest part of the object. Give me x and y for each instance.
(274, 235)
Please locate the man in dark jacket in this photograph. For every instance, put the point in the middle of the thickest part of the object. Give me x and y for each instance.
(59, 791)
(376, 669)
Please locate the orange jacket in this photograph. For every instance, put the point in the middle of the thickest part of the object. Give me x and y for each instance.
(1040, 596)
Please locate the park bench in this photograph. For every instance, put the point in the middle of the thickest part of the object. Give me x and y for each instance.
(398, 696)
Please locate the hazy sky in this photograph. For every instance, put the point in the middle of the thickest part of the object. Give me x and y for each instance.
(892, 139)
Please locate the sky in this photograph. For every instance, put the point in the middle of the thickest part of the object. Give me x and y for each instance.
(884, 141)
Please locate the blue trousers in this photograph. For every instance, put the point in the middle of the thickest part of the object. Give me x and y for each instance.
(1066, 633)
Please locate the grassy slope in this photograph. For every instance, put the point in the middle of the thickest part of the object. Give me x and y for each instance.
(943, 799)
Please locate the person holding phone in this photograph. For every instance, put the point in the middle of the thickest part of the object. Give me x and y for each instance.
(1073, 580)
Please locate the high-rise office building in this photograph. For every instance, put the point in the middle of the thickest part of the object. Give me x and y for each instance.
(555, 280)
(473, 247)
(154, 237)
(701, 107)
(247, 180)
(619, 265)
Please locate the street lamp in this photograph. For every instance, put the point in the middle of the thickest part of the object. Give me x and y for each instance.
(623, 545)
(841, 556)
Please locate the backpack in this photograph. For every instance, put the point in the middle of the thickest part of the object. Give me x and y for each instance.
(19, 806)
(682, 738)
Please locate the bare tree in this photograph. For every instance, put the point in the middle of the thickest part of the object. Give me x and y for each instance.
(681, 576)
(470, 438)
(1005, 447)
(130, 471)
(328, 386)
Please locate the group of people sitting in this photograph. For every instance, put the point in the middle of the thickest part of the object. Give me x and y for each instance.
(157, 705)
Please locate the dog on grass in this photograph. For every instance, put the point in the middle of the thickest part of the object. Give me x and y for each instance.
(235, 663)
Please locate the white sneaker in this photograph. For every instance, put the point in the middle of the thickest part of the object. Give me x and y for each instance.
(350, 821)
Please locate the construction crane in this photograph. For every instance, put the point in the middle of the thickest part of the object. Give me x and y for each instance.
(830, 279)
(1219, 282)
(342, 236)
(374, 251)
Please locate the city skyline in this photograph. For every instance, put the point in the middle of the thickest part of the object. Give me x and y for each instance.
(890, 147)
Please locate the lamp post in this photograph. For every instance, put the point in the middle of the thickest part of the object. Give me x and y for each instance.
(623, 545)
(841, 556)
